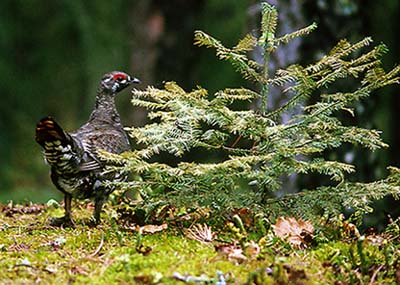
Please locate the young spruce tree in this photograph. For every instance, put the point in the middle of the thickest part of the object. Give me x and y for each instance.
(258, 150)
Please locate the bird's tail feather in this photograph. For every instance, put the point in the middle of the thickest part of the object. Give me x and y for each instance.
(59, 148)
(47, 130)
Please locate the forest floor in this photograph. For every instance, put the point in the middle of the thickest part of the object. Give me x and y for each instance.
(31, 252)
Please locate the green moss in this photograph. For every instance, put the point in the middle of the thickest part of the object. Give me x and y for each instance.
(30, 252)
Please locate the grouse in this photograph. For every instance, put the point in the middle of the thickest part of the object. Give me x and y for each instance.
(76, 169)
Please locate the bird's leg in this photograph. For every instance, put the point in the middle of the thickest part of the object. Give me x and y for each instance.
(98, 204)
(67, 206)
(66, 220)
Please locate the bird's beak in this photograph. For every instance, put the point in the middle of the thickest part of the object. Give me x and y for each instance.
(134, 80)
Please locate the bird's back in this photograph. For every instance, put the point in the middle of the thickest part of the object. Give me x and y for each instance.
(93, 137)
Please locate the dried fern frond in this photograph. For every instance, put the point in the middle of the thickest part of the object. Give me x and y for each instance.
(201, 233)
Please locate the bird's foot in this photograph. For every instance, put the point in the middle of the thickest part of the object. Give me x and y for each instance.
(92, 222)
(65, 221)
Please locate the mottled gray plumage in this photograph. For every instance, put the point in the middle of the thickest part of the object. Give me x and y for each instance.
(76, 168)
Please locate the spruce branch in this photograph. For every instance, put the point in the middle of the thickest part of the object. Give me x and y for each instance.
(268, 27)
(255, 148)
(248, 43)
(299, 33)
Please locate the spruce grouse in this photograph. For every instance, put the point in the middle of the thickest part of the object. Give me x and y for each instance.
(76, 169)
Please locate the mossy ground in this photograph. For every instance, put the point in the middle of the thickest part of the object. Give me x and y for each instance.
(33, 252)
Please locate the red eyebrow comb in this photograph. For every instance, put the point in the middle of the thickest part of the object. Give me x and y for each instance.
(119, 76)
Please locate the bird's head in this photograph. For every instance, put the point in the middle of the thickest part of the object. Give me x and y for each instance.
(116, 81)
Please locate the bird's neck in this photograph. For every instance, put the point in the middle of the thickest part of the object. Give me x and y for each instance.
(105, 111)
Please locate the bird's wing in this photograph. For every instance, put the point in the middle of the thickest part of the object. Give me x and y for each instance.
(112, 141)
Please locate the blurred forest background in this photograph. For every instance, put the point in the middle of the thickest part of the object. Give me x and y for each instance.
(53, 54)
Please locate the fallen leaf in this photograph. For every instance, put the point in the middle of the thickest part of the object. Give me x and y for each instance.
(232, 251)
(298, 233)
(79, 270)
(253, 249)
(11, 210)
(192, 279)
(245, 215)
(295, 275)
(144, 250)
(143, 279)
(397, 275)
(351, 230)
(151, 229)
(17, 246)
